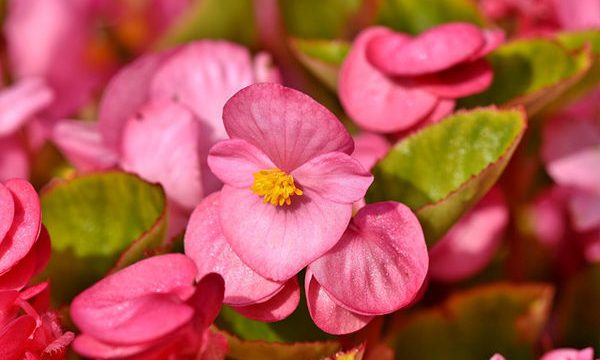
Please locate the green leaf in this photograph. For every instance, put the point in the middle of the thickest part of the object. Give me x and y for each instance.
(415, 16)
(443, 170)
(214, 19)
(501, 318)
(326, 19)
(322, 57)
(92, 219)
(532, 73)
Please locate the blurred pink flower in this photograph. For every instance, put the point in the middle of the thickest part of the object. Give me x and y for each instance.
(377, 267)
(289, 179)
(391, 82)
(151, 309)
(561, 354)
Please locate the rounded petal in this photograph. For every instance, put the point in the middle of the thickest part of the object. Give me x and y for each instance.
(471, 243)
(21, 101)
(380, 262)
(373, 100)
(7, 210)
(235, 161)
(334, 176)
(205, 243)
(161, 144)
(434, 50)
(327, 315)
(287, 125)
(370, 148)
(459, 81)
(278, 241)
(278, 307)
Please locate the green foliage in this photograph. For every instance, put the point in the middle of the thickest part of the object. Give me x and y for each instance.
(322, 57)
(327, 19)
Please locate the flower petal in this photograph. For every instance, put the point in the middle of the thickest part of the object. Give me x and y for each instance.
(569, 354)
(235, 161)
(373, 100)
(327, 315)
(13, 338)
(205, 243)
(91, 347)
(7, 210)
(278, 241)
(370, 148)
(14, 162)
(21, 101)
(334, 176)
(278, 307)
(462, 80)
(434, 50)
(287, 125)
(585, 210)
(493, 39)
(379, 264)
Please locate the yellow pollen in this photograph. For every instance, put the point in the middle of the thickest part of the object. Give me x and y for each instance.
(276, 186)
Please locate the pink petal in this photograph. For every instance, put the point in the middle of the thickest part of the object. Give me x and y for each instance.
(380, 262)
(143, 301)
(334, 176)
(25, 227)
(264, 70)
(287, 125)
(205, 243)
(471, 243)
(585, 210)
(83, 145)
(20, 102)
(326, 314)
(7, 210)
(235, 161)
(434, 50)
(19, 275)
(462, 80)
(207, 300)
(14, 161)
(443, 108)
(370, 148)
(90, 347)
(493, 39)
(569, 354)
(278, 307)
(548, 218)
(581, 14)
(204, 75)
(277, 242)
(373, 100)
(161, 145)
(13, 337)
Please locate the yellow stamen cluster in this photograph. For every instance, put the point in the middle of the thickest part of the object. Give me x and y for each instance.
(276, 186)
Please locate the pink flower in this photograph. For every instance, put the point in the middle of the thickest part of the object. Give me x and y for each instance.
(390, 82)
(471, 243)
(569, 354)
(289, 179)
(150, 308)
(377, 267)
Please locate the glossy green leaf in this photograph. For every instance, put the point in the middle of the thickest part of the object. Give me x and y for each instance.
(415, 16)
(323, 19)
(322, 57)
(532, 73)
(502, 318)
(443, 170)
(92, 219)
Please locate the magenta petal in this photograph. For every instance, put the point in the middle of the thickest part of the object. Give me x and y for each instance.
(370, 148)
(277, 307)
(471, 243)
(14, 161)
(161, 145)
(90, 347)
(373, 100)
(326, 314)
(26, 224)
(207, 300)
(205, 243)
(235, 161)
(334, 176)
(7, 210)
(277, 242)
(379, 264)
(20, 102)
(461, 80)
(287, 125)
(434, 50)
(143, 301)
(13, 337)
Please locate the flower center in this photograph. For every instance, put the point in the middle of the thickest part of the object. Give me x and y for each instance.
(275, 186)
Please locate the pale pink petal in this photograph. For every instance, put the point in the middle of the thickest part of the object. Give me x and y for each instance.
(569, 354)
(373, 100)
(471, 243)
(26, 224)
(327, 315)
(380, 262)
(7, 210)
(585, 209)
(334, 176)
(278, 307)
(83, 145)
(278, 241)
(160, 144)
(287, 125)
(20, 102)
(462, 80)
(235, 161)
(205, 243)
(14, 161)
(434, 50)
(370, 148)
(13, 337)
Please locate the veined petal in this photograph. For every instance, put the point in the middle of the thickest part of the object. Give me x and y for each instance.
(278, 307)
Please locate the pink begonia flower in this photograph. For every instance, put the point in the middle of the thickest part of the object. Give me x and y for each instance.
(561, 354)
(245, 290)
(472, 242)
(391, 82)
(378, 266)
(150, 308)
(289, 179)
